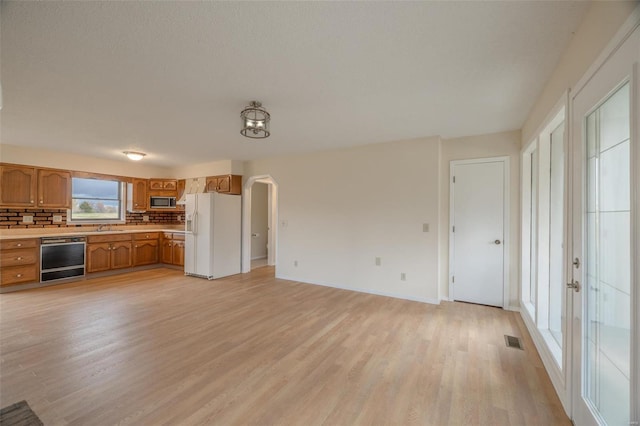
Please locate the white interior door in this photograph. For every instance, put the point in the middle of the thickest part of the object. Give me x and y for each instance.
(477, 260)
(605, 300)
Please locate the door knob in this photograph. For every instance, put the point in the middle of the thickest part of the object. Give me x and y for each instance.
(497, 242)
(575, 285)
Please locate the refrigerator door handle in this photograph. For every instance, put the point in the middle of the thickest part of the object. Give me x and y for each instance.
(194, 227)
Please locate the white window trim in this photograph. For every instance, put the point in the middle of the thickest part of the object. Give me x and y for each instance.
(123, 212)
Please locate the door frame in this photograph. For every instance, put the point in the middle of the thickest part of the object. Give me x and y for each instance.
(272, 251)
(579, 250)
(505, 160)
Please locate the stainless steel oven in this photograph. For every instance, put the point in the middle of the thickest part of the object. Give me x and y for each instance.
(62, 258)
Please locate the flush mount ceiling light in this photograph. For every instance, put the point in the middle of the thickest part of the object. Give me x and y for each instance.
(255, 121)
(133, 155)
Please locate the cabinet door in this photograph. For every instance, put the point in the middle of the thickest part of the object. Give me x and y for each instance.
(98, 257)
(145, 252)
(54, 189)
(178, 253)
(120, 255)
(170, 185)
(139, 196)
(167, 251)
(155, 184)
(17, 186)
(224, 184)
(212, 184)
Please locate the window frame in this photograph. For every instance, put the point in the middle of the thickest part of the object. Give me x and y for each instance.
(122, 199)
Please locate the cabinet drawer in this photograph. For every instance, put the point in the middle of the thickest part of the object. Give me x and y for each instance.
(18, 257)
(146, 236)
(108, 238)
(16, 244)
(18, 275)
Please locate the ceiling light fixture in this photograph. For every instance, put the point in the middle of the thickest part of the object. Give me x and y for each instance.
(255, 121)
(133, 155)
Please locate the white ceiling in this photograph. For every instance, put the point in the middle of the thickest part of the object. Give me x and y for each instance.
(170, 78)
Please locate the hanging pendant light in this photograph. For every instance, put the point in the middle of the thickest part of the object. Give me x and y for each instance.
(255, 121)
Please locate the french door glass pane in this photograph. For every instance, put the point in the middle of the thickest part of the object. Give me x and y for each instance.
(608, 309)
(556, 234)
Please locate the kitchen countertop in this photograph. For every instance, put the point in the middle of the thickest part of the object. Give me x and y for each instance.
(17, 234)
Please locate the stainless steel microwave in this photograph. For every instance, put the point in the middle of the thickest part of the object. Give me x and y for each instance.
(162, 202)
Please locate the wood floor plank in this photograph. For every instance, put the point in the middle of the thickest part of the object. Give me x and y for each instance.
(156, 347)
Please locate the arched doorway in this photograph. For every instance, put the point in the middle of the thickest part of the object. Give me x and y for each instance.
(272, 212)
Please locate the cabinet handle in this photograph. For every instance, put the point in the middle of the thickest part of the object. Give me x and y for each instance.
(19, 245)
(41, 201)
(19, 258)
(18, 275)
(31, 201)
(136, 246)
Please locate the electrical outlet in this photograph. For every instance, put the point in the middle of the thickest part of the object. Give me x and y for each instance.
(57, 218)
(295, 263)
(179, 218)
(145, 218)
(403, 276)
(378, 261)
(425, 227)
(27, 219)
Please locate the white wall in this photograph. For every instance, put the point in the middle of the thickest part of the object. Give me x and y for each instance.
(211, 168)
(482, 146)
(601, 22)
(339, 210)
(259, 219)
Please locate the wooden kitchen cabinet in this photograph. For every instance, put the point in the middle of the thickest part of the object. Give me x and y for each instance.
(22, 186)
(145, 248)
(137, 195)
(163, 184)
(19, 261)
(18, 186)
(98, 257)
(54, 189)
(121, 256)
(106, 252)
(226, 184)
(173, 249)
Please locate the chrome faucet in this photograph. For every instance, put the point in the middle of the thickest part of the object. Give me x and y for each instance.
(102, 226)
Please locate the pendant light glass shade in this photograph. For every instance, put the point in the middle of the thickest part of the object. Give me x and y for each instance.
(255, 121)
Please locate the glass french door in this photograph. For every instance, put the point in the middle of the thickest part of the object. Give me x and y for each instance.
(605, 240)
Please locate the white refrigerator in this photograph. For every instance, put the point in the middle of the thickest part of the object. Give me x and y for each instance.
(212, 235)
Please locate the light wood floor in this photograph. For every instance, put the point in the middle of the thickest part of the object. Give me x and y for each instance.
(155, 347)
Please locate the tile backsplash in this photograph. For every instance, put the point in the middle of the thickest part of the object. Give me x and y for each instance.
(44, 218)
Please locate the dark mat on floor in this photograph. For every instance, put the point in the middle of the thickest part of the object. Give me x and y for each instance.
(19, 414)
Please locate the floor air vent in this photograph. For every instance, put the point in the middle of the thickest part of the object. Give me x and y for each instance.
(513, 342)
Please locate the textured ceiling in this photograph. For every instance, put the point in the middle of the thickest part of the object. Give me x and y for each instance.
(170, 78)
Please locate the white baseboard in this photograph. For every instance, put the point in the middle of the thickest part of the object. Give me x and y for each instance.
(366, 291)
(259, 257)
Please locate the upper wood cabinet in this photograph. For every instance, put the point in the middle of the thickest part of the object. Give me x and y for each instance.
(30, 187)
(163, 184)
(18, 186)
(226, 184)
(54, 189)
(137, 195)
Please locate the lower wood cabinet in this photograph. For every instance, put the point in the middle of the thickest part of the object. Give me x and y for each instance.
(105, 252)
(19, 261)
(172, 252)
(145, 249)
